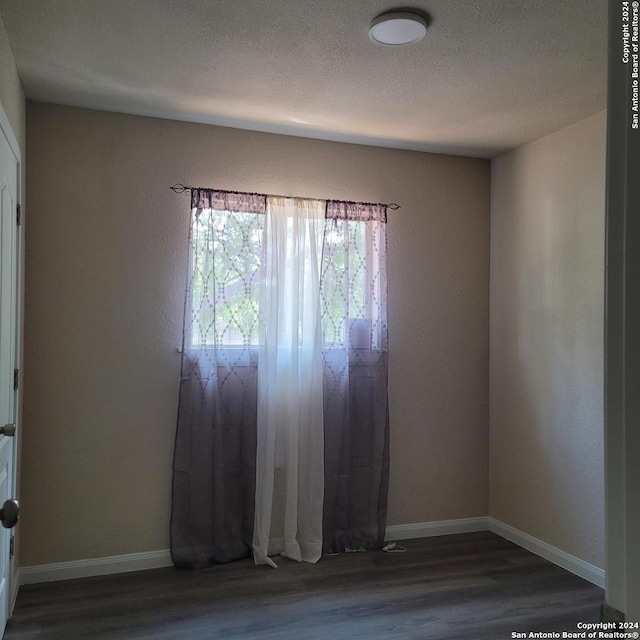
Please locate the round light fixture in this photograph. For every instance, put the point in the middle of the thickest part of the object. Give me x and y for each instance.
(397, 28)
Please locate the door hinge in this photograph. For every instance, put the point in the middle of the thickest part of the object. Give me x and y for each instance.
(16, 379)
(11, 546)
(18, 214)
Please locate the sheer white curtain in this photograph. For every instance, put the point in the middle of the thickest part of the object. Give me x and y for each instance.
(290, 439)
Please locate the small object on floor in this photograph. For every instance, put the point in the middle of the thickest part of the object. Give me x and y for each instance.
(354, 549)
(392, 547)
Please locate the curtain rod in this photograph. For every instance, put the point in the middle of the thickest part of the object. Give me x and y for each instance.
(180, 188)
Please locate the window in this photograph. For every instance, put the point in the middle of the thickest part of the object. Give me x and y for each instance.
(226, 258)
(226, 255)
(351, 285)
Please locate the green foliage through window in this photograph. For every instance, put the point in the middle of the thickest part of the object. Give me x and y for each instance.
(226, 258)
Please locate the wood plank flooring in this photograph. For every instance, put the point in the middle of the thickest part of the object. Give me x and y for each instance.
(474, 586)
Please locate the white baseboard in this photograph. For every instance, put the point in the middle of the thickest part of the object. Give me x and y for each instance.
(95, 567)
(561, 558)
(157, 559)
(15, 587)
(438, 528)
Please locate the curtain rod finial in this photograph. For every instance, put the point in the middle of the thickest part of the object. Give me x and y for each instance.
(394, 206)
(179, 188)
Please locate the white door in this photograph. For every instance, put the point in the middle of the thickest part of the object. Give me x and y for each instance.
(8, 357)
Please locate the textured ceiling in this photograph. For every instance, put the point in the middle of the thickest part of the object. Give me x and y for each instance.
(490, 75)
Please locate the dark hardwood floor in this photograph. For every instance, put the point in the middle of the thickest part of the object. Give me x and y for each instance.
(468, 586)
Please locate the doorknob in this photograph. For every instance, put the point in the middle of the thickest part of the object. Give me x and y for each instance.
(8, 429)
(9, 514)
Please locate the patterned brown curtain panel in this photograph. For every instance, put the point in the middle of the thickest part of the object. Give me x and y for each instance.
(245, 251)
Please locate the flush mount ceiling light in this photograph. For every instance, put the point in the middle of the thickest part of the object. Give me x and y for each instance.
(397, 28)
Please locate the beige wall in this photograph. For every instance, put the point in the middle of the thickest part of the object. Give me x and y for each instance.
(547, 330)
(106, 252)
